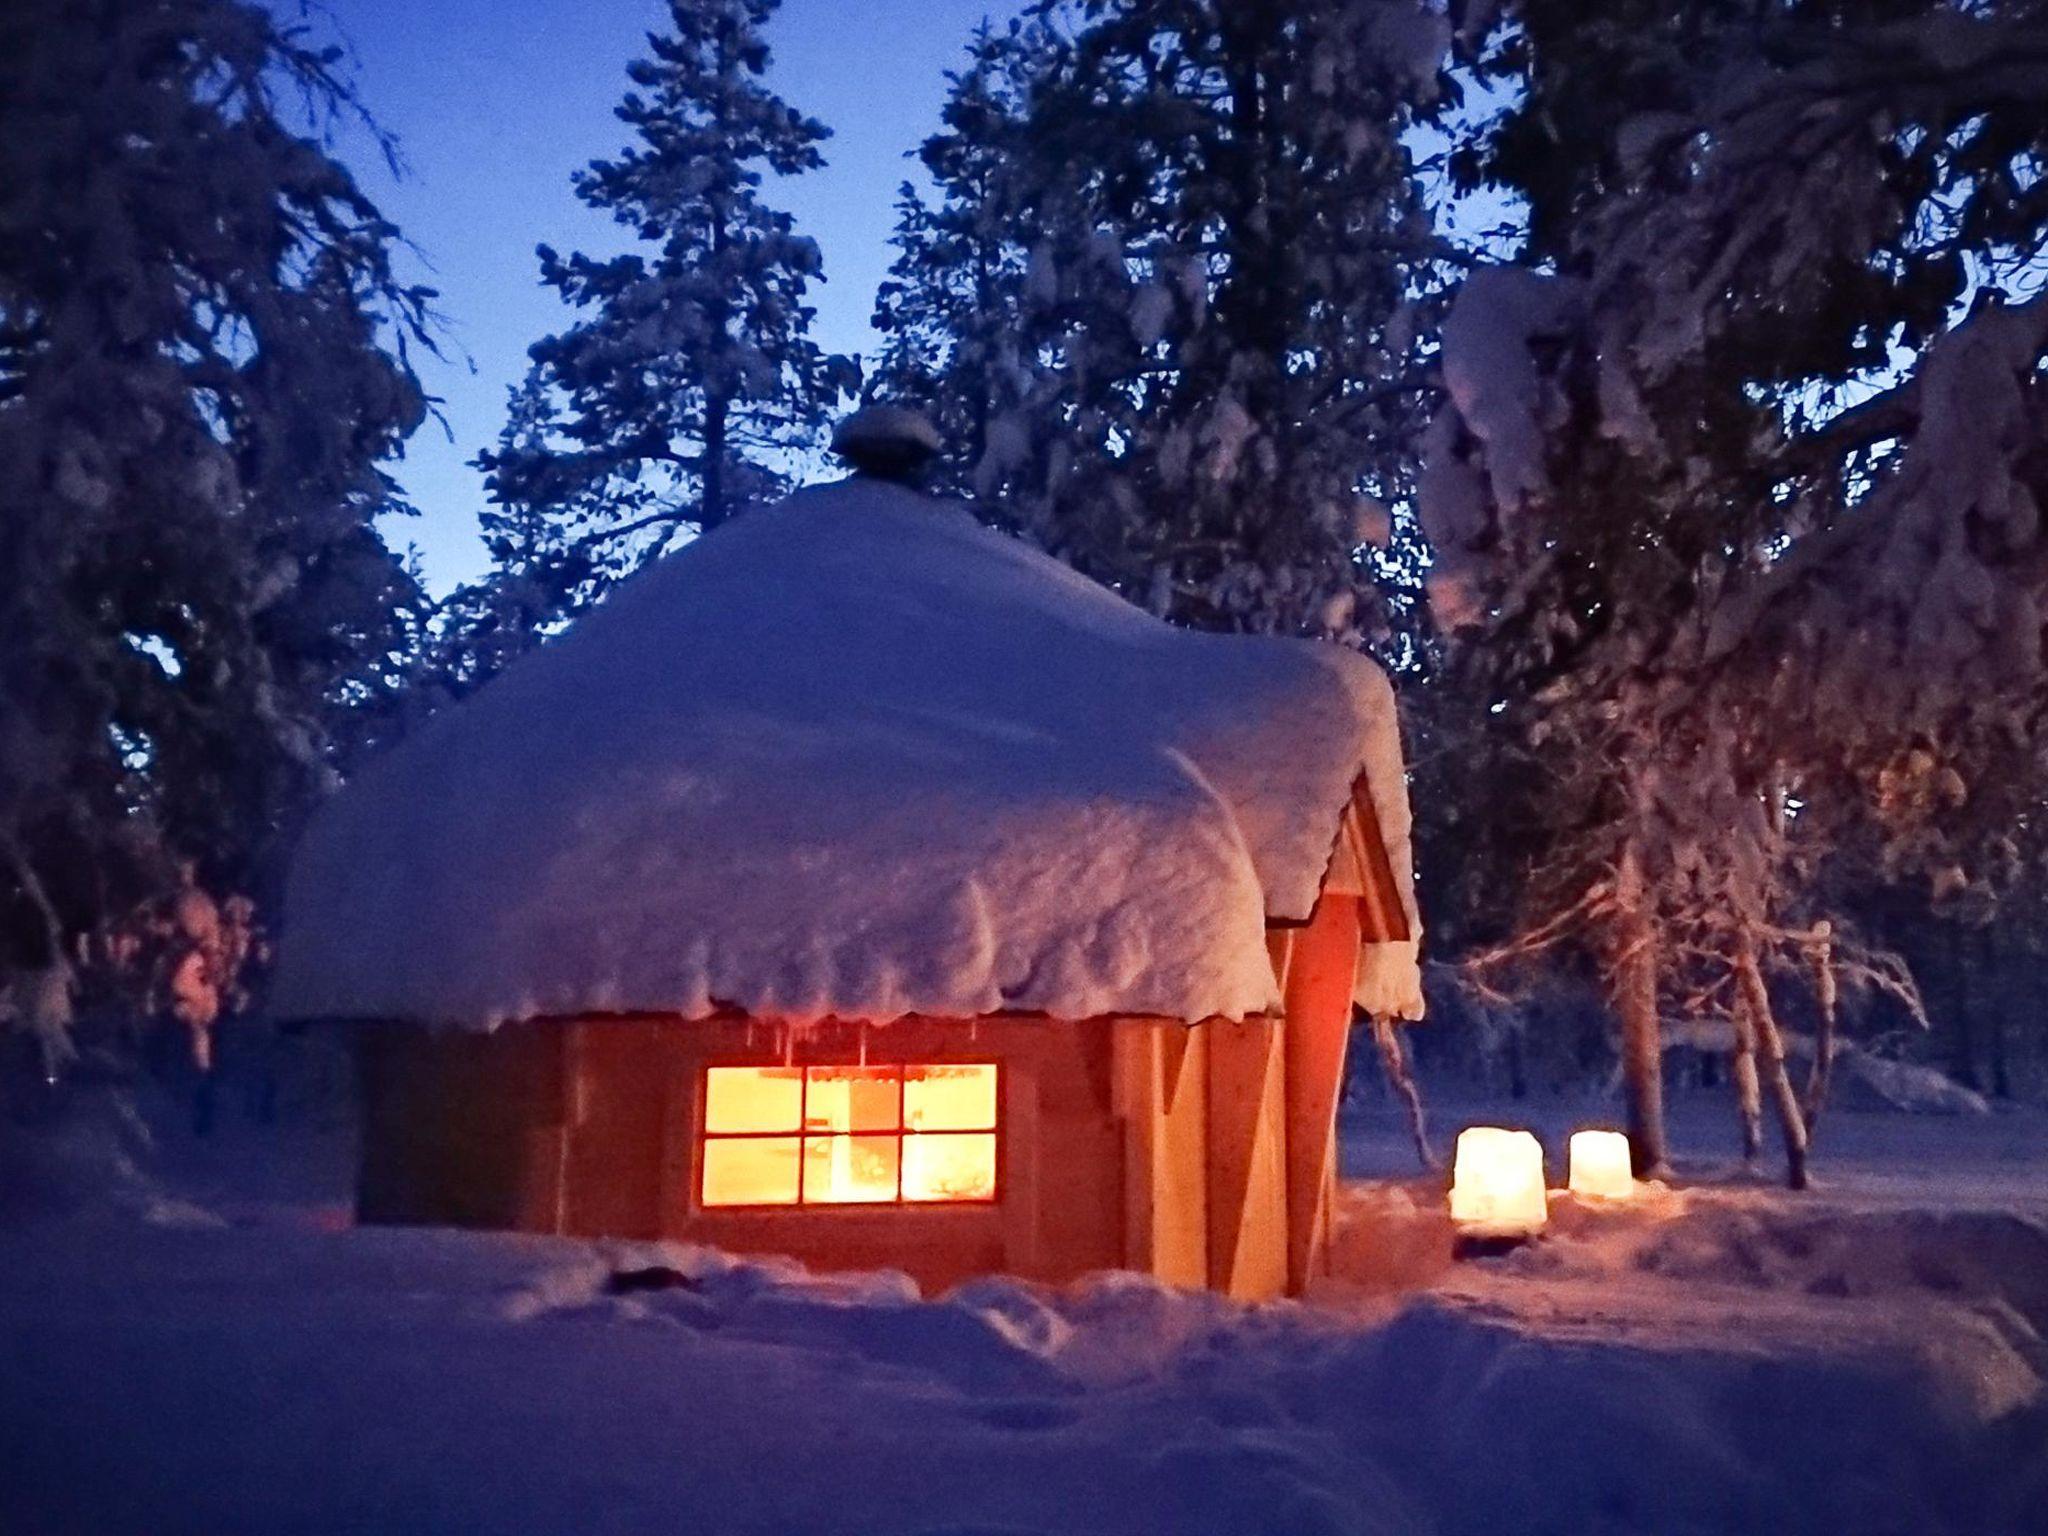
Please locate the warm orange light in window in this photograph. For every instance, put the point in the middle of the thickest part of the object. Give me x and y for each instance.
(853, 1099)
(950, 1098)
(750, 1170)
(753, 1098)
(836, 1135)
(849, 1170)
(949, 1167)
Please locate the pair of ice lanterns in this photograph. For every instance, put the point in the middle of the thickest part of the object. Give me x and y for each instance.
(1497, 1184)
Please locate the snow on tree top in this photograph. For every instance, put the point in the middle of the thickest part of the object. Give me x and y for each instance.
(854, 756)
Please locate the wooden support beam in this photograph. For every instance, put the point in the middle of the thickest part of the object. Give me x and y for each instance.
(1382, 917)
(1318, 1029)
(1247, 1172)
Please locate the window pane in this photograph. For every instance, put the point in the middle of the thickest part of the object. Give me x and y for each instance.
(853, 1099)
(842, 1169)
(949, 1167)
(753, 1098)
(750, 1171)
(950, 1097)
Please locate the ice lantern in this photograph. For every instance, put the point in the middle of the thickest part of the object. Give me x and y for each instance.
(1497, 1181)
(1600, 1165)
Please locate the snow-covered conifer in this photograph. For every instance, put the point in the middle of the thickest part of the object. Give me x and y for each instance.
(1224, 236)
(202, 363)
(950, 309)
(691, 375)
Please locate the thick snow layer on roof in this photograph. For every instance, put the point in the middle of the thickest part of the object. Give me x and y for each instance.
(853, 755)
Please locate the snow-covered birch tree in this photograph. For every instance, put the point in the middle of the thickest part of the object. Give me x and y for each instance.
(691, 376)
(1738, 476)
(202, 364)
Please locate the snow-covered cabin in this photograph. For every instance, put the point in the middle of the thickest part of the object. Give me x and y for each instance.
(861, 884)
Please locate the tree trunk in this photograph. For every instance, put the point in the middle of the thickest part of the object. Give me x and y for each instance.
(1394, 1059)
(986, 302)
(1961, 1012)
(1742, 1076)
(1827, 1002)
(1633, 984)
(1986, 967)
(1756, 1000)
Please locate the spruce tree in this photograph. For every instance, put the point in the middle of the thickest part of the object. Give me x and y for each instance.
(1226, 234)
(691, 378)
(202, 364)
(950, 310)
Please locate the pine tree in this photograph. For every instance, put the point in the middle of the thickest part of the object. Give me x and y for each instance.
(950, 312)
(202, 363)
(692, 377)
(1226, 237)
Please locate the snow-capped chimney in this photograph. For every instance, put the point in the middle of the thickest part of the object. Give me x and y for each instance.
(887, 442)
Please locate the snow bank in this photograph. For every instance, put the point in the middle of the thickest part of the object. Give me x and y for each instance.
(96, 1157)
(853, 755)
(1954, 1300)
(1718, 1361)
(293, 1383)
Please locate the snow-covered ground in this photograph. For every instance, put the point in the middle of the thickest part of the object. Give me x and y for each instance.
(215, 1352)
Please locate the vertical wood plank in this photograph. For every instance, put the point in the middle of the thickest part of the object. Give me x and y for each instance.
(1319, 987)
(1247, 1174)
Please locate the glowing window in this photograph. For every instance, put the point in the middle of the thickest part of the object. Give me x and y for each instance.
(846, 1135)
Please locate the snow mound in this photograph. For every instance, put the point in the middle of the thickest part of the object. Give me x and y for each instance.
(1904, 1085)
(1662, 1371)
(1689, 1364)
(1954, 1300)
(95, 1159)
(851, 756)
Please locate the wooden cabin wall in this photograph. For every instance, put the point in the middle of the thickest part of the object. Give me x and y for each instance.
(1161, 1100)
(1200, 1154)
(590, 1127)
(1247, 1172)
(1321, 971)
(460, 1129)
(619, 1075)
(1272, 1113)
(1075, 1191)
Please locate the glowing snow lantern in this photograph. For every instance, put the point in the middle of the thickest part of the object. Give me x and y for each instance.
(1497, 1181)
(1600, 1165)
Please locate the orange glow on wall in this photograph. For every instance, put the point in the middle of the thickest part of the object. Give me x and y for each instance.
(849, 1135)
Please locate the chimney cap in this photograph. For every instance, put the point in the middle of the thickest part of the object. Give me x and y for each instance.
(890, 442)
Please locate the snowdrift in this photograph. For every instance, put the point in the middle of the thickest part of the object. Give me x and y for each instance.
(1733, 1361)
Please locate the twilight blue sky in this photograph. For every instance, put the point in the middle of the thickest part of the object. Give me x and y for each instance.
(495, 102)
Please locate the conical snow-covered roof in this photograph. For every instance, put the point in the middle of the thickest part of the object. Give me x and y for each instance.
(856, 756)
